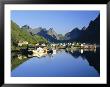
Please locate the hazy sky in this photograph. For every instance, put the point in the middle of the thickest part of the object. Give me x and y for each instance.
(61, 21)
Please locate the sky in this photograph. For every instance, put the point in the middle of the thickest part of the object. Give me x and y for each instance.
(61, 21)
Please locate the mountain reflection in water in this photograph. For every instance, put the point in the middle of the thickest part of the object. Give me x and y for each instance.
(21, 62)
(92, 56)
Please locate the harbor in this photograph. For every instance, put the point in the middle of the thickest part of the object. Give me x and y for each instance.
(42, 50)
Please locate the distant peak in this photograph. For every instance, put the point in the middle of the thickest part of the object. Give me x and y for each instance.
(51, 29)
(26, 27)
(75, 29)
(84, 28)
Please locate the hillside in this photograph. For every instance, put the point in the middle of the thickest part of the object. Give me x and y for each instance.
(18, 34)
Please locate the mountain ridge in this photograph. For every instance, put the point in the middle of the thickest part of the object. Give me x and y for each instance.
(91, 33)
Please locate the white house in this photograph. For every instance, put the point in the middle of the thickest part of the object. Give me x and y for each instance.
(40, 49)
(37, 44)
(43, 44)
(20, 43)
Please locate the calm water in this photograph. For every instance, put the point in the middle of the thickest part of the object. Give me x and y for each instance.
(62, 64)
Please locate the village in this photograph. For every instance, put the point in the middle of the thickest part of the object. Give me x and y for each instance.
(41, 49)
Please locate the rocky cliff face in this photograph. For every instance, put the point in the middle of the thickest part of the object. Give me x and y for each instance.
(52, 33)
(25, 27)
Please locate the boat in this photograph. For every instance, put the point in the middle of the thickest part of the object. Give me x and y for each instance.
(38, 53)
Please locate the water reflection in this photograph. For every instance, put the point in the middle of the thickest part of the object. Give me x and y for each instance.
(17, 59)
(72, 50)
(92, 57)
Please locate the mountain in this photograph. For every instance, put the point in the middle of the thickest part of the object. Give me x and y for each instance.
(37, 30)
(91, 34)
(84, 28)
(50, 34)
(25, 27)
(75, 33)
(18, 34)
(61, 37)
